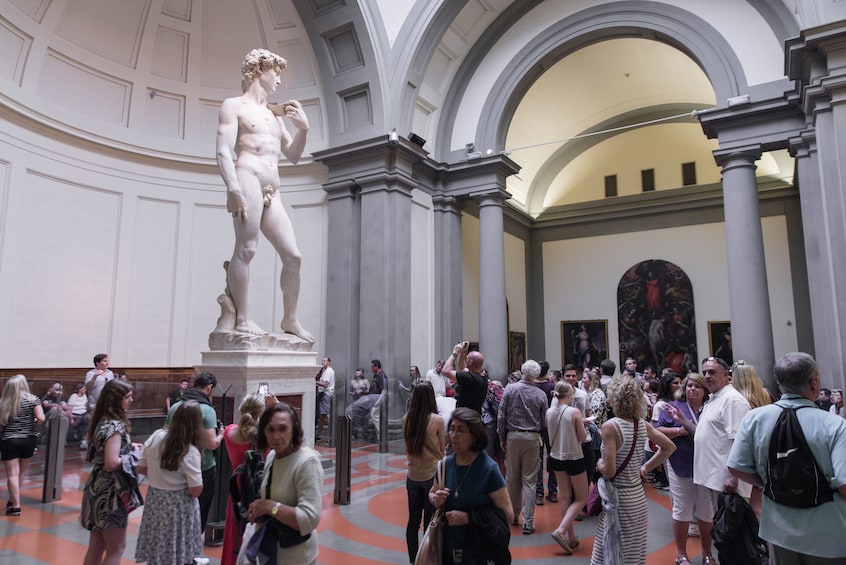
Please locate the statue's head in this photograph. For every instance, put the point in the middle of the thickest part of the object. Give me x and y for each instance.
(256, 62)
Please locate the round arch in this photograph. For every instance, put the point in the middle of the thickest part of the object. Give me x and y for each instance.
(671, 25)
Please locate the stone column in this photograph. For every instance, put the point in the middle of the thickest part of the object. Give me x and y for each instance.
(817, 62)
(493, 317)
(447, 249)
(369, 290)
(751, 322)
(343, 255)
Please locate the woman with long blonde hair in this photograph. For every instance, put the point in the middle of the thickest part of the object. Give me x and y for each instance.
(566, 460)
(745, 379)
(20, 412)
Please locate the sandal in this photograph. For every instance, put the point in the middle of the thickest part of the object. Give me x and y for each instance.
(574, 543)
(683, 560)
(708, 560)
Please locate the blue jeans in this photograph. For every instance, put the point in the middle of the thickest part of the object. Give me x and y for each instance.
(418, 507)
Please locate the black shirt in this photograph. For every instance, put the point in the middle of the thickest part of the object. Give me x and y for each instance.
(471, 391)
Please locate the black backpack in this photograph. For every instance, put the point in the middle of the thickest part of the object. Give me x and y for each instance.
(735, 532)
(793, 476)
(245, 485)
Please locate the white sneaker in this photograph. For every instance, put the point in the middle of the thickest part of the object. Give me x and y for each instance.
(201, 560)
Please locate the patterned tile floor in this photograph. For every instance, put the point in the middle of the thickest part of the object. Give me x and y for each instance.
(368, 531)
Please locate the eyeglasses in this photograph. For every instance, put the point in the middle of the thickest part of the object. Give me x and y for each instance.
(457, 431)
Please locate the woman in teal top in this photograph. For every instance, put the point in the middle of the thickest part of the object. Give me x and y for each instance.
(472, 482)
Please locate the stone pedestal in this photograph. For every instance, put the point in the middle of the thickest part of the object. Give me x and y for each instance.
(289, 374)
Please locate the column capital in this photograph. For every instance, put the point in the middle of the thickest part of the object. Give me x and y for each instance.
(446, 203)
(803, 144)
(738, 156)
(342, 188)
(478, 176)
(492, 197)
(372, 157)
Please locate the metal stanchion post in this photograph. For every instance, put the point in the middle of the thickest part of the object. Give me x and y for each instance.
(383, 423)
(57, 432)
(343, 459)
(213, 536)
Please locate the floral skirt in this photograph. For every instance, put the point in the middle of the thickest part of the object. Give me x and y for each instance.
(170, 528)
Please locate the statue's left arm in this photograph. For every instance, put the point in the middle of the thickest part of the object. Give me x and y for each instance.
(292, 147)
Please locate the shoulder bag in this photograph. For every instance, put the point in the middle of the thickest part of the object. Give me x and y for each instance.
(285, 534)
(594, 501)
(430, 551)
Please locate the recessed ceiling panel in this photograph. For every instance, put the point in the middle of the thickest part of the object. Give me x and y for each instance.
(14, 44)
(228, 35)
(111, 29)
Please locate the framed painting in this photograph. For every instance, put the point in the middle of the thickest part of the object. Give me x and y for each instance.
(516, 350)
(584, 343)
(719, 340)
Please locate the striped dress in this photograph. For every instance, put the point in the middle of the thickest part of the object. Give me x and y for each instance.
(632, 500)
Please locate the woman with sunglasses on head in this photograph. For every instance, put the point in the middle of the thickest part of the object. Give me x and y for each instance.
(423, 431)
(678, 422)
(472, 484)
(623, 436)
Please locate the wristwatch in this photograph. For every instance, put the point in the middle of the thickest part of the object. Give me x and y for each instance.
(275, 508)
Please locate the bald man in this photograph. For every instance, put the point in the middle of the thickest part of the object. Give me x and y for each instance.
(466, 370)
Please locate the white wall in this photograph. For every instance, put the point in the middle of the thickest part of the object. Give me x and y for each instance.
(515, 282)
(581, 277)
(99, 253)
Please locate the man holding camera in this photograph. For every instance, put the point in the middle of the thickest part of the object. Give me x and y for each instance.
(472, 385)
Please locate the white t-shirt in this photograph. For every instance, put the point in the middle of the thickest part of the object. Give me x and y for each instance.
(714, 437)
(79, 404)
(438, 382)
(188, 474)
(328, 380)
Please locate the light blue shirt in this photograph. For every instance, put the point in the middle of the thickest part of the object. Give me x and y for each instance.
(818, 531)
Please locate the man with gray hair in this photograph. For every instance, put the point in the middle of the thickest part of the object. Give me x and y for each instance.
(797, 535)
(521, 416)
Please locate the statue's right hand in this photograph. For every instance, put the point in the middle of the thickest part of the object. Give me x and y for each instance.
(236, 205)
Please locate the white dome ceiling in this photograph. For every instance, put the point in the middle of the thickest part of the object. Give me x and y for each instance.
(146, 75)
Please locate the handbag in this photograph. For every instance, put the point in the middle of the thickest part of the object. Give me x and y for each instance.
(594, 501)
(430, 551)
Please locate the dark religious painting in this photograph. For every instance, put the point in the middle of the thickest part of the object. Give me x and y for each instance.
(655, 314)
(584, 343)
(719, 340)
(516, 350)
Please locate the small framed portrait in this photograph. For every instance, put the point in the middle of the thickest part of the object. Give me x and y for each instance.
(719, 340)
(584, 343)
(516, 350)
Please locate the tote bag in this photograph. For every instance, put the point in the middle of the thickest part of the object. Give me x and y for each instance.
(431, 547)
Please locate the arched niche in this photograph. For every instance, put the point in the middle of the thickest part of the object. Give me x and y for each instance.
(656, 317)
